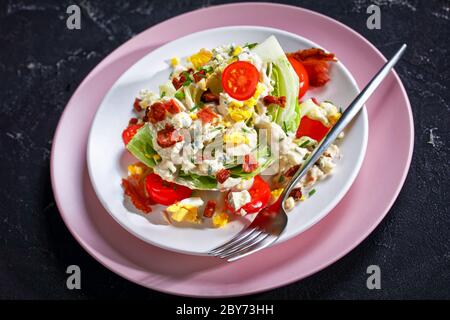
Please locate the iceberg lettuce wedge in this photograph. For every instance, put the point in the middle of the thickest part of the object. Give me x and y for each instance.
(286, 83)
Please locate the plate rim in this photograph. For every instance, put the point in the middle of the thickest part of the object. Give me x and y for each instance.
(98, 256)
(322, 214)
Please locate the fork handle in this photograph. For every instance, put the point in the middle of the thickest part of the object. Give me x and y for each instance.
(345, 119)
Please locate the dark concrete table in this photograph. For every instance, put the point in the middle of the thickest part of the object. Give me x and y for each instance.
(42, 63)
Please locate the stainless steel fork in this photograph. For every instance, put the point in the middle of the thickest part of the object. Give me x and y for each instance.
(268, 225)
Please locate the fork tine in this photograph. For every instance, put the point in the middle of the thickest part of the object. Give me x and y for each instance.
(243, 240)
(239, 244)
(243, 233)
(261, 245)
(243, 247)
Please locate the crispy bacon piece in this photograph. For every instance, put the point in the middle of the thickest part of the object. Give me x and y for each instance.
(134, 187)
(155, 113)
(168, 136)
(178, 82)
(132, 121)
(172, 107)
(281, 101)
(222, 175)
(208, 96)
(296, 194)
(199, 75)
(291, 171)
(250, 164)
(209, 209)
(315, 61)
(137, 107)
(206, 115)
(313, 54)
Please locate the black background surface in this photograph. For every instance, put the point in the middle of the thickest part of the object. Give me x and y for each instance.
(42, 63)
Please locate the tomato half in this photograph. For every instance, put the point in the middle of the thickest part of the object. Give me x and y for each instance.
(129, 132)
(260, 193)
(312, 128)
(302, 76)
(164, 192)
(239, 80)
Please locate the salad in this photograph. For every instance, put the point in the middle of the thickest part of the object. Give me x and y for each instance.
(230, 120)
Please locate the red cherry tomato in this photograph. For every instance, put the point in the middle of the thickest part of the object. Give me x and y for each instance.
(239, 80)
(260, 193)
(311, 128)
(164, 192)
(302, 76)
(129, 132)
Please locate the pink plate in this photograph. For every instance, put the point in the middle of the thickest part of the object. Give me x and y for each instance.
(361, 210)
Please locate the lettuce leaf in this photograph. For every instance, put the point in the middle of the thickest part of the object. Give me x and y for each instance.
(286, 84)
(195, 181)
(265, 159)
(141, 146)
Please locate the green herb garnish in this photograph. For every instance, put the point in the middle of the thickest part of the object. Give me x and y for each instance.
(188, 80)
(250, 45)
(231, 51)
(304, 144)
(196, 106)
(180, 95)
(163, 94)
(207, 69)
(311, 192)
(285, 126)
(281, 179)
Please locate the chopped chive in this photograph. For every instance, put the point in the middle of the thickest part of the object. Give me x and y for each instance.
(180, 95)
(285, 126)
(250, 45)
(163, 94)
(196, 106)
(340, 109)
(311, 192)
(281, 179)
(304, 144)
(245, 130)
(188, 78)
(207, 69)
(231, 51)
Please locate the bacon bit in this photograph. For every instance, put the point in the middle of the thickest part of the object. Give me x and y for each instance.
(317, 72)
(281, 101)
(132, 121)
(178, 82)
(209, 209)
(315, 61)
(206, 115)
(155, 113)
(199, 75)
(208, 96)
(168, 136)
(250, 164)
(134, 187)
(172, 107)
(313, 54)
(222, 175)
(137, 107)
(291, 171)
(315, 101)
(296, 194)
